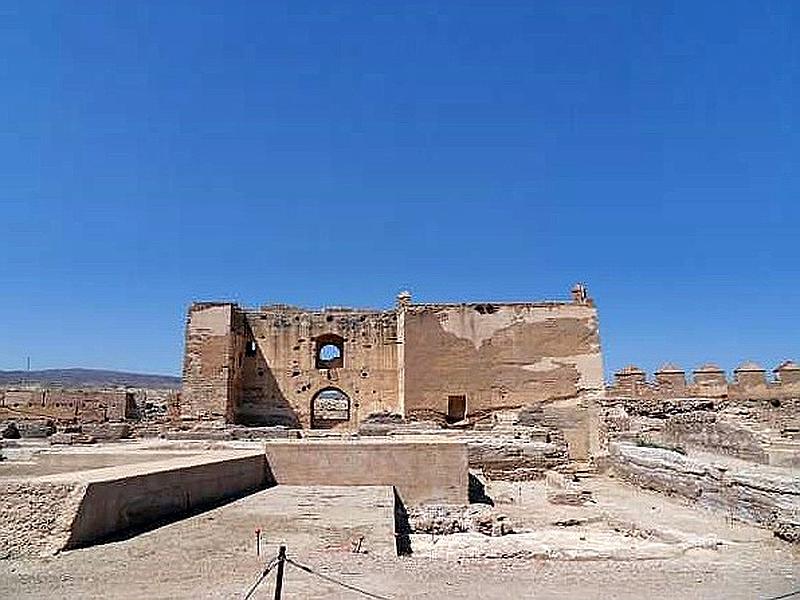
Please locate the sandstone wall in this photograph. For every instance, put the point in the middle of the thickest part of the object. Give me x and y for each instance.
(64, 404)
(282, 378)
(517, 457)
(422, 472)
(498, 355)
(707, 382)
(762, 430)
(717, 433)
(43, 515)
(263, 367)
(210, 362)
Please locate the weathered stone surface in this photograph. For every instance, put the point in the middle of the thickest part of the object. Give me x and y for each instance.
(46, 514)
(756, 431)
(663, 407)
(381, 423)
(513, 458)
(199, 434)
(423, 471)
(564, 489)
(788, 531)
(716, 433)
(35, 428)
(500, 356)
(260, 367)
(35, 517)
(563, 544)
(107, 431)
(452, 364)
(68, 439)
(66, 404)
(444, 519)
(765, 495)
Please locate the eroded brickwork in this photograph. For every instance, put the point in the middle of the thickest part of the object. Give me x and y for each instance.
(281, 377)
(499, 355)
(442, 361)
(210, 362)
(65, 405)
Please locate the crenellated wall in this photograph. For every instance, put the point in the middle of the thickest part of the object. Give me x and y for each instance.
(749, 381)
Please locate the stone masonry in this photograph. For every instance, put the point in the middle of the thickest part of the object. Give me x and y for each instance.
(334, 368)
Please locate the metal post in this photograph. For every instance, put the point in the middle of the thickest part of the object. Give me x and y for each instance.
(279, 578)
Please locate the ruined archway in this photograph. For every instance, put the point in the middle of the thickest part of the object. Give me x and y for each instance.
(329, 407)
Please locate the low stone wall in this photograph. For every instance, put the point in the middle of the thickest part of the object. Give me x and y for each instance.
(764, 495)
(713, 432)
(511, 452)
(42, 515)
(422, 471)
(513, 458)
(26, 428)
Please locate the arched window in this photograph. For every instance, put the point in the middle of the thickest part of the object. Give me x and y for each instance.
(329, 406)
(330, 352)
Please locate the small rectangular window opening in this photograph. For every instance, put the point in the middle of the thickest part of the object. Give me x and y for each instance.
(250, 348)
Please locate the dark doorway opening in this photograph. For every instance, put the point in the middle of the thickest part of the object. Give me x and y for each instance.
(456, 408)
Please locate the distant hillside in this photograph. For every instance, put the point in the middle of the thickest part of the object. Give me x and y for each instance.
(88, 378)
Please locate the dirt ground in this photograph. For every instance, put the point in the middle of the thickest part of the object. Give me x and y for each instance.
(626, 544)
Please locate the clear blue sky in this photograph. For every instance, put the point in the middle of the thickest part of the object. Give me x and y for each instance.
(333, 153)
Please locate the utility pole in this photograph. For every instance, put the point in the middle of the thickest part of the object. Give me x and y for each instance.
(26, 378)
(279, 578)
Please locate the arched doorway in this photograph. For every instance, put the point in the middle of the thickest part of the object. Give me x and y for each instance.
(329, 407)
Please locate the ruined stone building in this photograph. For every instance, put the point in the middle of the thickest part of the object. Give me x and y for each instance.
(335, 367)
(63, 404)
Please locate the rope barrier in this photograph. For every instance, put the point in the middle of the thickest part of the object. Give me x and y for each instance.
(789, 595)
(261, 578)
(369, 594)
(332, 580)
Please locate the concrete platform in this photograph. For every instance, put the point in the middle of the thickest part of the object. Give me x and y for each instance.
(42, 515)
(34, 460)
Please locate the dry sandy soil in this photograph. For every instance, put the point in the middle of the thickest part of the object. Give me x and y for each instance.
(626, 544)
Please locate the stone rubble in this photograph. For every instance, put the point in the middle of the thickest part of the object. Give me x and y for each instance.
(764, 495)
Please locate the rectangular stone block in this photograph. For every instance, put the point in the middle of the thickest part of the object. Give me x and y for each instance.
(422, 471)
